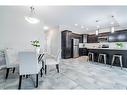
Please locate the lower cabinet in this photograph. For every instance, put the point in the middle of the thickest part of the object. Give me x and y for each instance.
(83, 51)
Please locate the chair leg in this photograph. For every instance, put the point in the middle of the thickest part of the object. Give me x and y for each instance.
(42, 65)
(36, 80)
(45, 69)
(41, 72)
(57, 67)
(20, 81)
(27, 76)
(7, 72)
(13, 70)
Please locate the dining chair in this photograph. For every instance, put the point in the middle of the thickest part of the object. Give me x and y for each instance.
(11, 57)
(29, 66)
(50, 60)
(40, 60)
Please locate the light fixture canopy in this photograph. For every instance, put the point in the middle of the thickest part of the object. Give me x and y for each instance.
(31, 18)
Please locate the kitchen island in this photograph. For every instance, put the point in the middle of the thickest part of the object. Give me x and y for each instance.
(110, 52)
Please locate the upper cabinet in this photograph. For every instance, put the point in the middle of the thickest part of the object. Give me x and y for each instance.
(85, 38)
(92, 38)
(118, 36)
(78, 36)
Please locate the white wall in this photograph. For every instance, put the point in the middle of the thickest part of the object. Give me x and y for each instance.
(15, 32)
(53, 40)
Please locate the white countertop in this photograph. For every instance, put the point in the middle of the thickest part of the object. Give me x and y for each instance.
(109, 48)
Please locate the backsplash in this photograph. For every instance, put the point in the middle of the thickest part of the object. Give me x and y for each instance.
(111, 45)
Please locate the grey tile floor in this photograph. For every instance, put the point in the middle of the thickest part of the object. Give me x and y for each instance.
(74, 74)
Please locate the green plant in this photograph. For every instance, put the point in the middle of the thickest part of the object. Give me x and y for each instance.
(119, 44)
(35, 43)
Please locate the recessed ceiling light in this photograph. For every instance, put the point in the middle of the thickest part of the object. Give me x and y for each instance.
(87, 29)
(76, 24)
(45, 27)
(112, 23)
(82, 26)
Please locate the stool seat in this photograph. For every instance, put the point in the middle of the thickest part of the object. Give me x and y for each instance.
(120, 58)
(91, 56)
(102, 56)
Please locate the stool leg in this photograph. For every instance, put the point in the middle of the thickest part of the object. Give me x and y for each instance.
(88, 58)
(98, 58)
(121, 63)
(112, 61)
(105, 60)
(92, 57)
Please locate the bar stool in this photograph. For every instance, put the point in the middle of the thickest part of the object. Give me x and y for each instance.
(102, 56)
(91, 56)
(120, 59)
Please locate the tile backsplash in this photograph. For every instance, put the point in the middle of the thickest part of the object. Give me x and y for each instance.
(111, 45)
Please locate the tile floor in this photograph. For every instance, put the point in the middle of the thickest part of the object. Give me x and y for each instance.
(74, 74)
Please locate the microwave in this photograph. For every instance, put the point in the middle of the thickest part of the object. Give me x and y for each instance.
(103, 39)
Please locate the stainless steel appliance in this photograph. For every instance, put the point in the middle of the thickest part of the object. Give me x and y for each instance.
(75, 45)
(103, 39)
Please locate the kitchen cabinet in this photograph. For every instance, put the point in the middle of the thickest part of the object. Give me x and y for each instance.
(66, 44)
(83, 51)
(92, 38)
(84, 38)
(78, 36)
(118, 36)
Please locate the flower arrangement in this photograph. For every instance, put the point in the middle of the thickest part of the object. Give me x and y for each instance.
(119, 44)
(35, 43)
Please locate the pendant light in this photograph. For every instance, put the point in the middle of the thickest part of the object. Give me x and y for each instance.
(31, 18)
(97, 30)
(114, 23)
(112, 29)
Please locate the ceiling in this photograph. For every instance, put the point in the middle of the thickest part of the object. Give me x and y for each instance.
(85, 16)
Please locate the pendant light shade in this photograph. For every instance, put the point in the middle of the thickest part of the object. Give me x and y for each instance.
(31, 18)
(97, 31)
(112, 29)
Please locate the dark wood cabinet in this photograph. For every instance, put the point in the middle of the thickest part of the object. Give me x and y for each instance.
(85, 38)
(66, 44)
(83, 51)
(78, 36)
(92, 38)
(103, 34)
(118, 36)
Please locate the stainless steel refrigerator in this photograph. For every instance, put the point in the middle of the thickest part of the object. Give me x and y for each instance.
(75, 44)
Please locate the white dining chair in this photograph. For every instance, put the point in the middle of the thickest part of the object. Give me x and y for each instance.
(11, 57)
(50, 60)
(29, 65)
